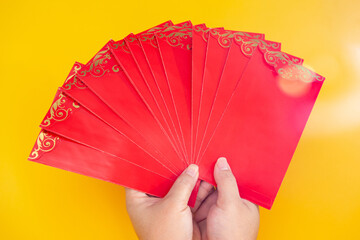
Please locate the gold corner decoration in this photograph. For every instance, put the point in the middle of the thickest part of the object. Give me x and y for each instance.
(149, 35)
(119, 45)
(58, 112)
(224, 37)
(74, 81)
(298, 72)
(289, 67)
(249, 45)
(176, 39)
(150, 38)
(45, 142)
(276, 58)
(97, 67)
(203, 31)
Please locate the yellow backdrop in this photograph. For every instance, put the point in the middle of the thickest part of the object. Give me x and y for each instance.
(40, 40)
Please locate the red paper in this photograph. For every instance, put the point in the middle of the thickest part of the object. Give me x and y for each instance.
(56, 151)
(217, 50)
(139, 57)
(237, 59)
(68, 119)
(175, 51)
(87, 99)
(148, 105)
(262, 124)
(104, 77)
(200, 35)
(150, 48)
(165, 106)
(125, 59)
(74, 88)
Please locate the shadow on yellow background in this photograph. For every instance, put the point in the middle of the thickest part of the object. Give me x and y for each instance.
(320, 196)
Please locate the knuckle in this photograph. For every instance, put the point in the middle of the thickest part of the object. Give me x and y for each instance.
(184, 180)
(229, 176)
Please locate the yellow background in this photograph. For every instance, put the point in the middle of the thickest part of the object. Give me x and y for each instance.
(320, 197)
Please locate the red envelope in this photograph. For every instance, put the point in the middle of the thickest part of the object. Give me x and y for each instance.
(200, 35)
(128, 64)
(237, 59)
(104, 77)
(175, 51)
(150, 48)
(68, 119)
(56, 151)
(139, 56)
(158, 77)
(146, 106)
(263, 124)
(100, 71)
(136, 51)
(217, 51)
(74, 88)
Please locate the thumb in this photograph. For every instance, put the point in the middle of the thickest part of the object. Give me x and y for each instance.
(181, 190)
(226, 183)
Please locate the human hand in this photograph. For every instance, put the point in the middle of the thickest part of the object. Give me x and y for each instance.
(220, 214)
(224, 214)
(168, 217)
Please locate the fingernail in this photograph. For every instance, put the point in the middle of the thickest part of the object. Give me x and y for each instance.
(192, 170)
(222, 164)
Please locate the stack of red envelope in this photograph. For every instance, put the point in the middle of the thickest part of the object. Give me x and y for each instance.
(145, 107)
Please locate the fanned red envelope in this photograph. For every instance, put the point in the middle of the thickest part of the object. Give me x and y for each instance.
(70, 120)
(74, 88)
(59, 152)
(216, 91)
(218, 44)
(145, 107)
(175, 51)
(264, 121)
(200, 36)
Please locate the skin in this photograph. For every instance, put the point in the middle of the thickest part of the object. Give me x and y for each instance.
(217, 214)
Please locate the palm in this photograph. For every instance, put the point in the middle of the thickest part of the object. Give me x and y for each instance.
(206, 214)
(214, 219)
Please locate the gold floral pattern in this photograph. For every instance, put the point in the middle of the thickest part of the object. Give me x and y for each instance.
(75, 105)
(246, 35)
(299, 72)
(248, 46)
(119, 45)
(97, 67)
(224, 36)
(178, 38)
(149, 36)
(131, 38)
(203, 30)
(45, 142)
(115, 68)
(288, 67)
(59, 111)
(73, 82)
(277, 58)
